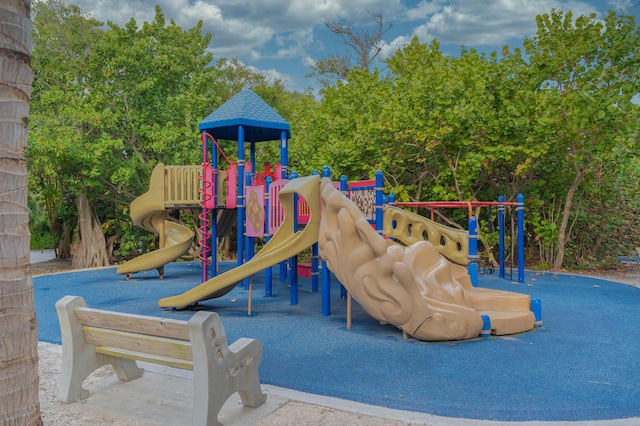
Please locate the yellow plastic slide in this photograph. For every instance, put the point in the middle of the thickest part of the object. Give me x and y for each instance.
(147, 211)
(285, 243)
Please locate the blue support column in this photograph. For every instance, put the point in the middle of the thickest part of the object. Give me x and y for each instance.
(240, 196)
(473, 250)
(379, 200)
(248, 241)
(344, 188)
(293, 261)
(326, 274)
(314, 259)
(268, 274)
(214, 214)
(284, 162)
(203, 186)
(284, 154)
(501, 236)
(520, 209)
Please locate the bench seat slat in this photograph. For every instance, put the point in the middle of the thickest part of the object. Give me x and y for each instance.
(143, 356)
(135, 342)
(155, 326)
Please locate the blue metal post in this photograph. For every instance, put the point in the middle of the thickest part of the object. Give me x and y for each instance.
(214, 214)
(501, 236)
(379, 200)
(473, 250)
(240, 195)
(284, 154)
(252, 159)
(293, 262)
(268, 275)
(314, 259)
(536, 308)
(203, 185)
(284, 162)
(486, 326)
(344, 188)
(520, 209)
(248, 241)
(326, 274)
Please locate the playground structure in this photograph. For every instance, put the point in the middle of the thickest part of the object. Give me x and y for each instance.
(436, 299)
(170, 187)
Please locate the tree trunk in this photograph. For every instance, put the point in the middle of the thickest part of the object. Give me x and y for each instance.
(89, 248)
(563, 237)
(19, 403)
(64, 244)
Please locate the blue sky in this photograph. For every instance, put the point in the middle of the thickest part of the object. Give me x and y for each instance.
(281, 38)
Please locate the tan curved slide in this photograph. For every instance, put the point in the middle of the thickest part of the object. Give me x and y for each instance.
(285, 243)
(147, 211)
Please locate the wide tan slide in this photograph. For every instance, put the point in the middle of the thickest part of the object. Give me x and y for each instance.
(285, 243)
(413, 286)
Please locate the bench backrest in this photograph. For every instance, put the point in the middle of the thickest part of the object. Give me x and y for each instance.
(161, 340)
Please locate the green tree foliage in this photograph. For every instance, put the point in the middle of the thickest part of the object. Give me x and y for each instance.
(558, 126)
(556, 123)
(588, 73)
(109, 105)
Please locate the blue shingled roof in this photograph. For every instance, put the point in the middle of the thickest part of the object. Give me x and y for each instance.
(260, 121)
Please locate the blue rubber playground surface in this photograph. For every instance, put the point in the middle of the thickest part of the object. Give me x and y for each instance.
(582, 364)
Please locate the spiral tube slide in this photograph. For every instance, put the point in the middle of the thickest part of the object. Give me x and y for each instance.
(147, 211)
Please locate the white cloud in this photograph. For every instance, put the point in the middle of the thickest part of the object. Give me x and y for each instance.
(387, 50)
(266, 31)
(482, 23)
(273, 74)
(622, 5)
(421, 11)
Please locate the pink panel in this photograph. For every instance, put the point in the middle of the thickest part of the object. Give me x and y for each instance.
(276, 212)
(255, 211)
(209, 187)
(232, 186)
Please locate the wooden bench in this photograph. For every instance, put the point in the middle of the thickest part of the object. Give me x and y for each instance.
(92, 338)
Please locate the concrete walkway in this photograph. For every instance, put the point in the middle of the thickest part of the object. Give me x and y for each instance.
(38, 256)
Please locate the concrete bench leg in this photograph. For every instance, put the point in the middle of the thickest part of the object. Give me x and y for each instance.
(219, 372)
(79, 359)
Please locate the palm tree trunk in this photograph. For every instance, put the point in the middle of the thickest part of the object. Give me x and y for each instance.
(19, 403)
